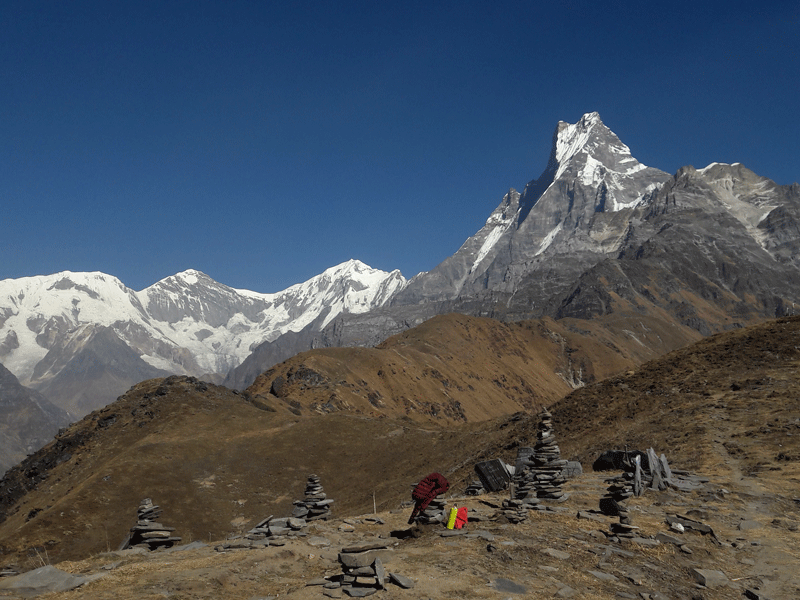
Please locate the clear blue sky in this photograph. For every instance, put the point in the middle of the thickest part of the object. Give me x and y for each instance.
(263, 142)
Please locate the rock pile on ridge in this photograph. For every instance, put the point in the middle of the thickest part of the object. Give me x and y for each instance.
(147, 533)
(363, 573)
(434, 512)
(315, 505)
(539, 472)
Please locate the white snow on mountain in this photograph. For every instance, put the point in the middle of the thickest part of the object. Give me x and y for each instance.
(496, 225)
(748, 197)
(593, 155)
(548, 239)
(218, 325)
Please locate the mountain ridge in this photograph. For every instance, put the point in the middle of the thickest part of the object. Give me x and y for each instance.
(186, 323)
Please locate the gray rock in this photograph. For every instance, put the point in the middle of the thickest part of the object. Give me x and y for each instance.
(572, 469)
(401, 580)
(583, 514)
(666, 538)
(710, 578)
(453, 532)
(317, 541)
(603, 576)
(277, 530)
(353, 560)
(506, 585)
(481, 534)
(645, 541)
(190, 546)
(361, 571)
(359, 592)
(44, 580)
(380, 573)
(560, 555)
(565, 592)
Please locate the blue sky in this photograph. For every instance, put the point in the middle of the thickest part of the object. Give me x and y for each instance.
(263, 142)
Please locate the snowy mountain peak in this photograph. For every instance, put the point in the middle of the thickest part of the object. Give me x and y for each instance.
(598, 146)
(187, 278)
(572, 139)
(590, 154)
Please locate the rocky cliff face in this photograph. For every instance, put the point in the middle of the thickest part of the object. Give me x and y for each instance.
(27, 420)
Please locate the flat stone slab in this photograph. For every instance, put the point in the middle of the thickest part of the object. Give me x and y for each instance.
(506, 585)
(453, 532)
(317, 541)
(666, 538)
(556, 553)
(481, 534)
(359, 592)
(645, 541)
(603, 576)
(401, 580)
(44, 580)
(583, 514)
(353, 560)
(710, 578)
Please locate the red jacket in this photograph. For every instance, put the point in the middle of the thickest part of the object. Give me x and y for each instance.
(428, 488)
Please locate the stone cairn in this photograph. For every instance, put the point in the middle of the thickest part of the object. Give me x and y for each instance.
(147, 533)
(475, 489)
(539, 474)
(273, 531)
(620, 488)
(633, 481)
(363, 573)
(435, 512)
(316, 504)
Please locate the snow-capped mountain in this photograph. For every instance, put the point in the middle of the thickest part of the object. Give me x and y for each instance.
(593, 201)
(572, 207)
(599, 233)
(186, 324)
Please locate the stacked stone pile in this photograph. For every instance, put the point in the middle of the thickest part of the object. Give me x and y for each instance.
(316, 504)
(147, 533)
(612, 504)
(540, 472)
(515, 511)
(475, 489)
(620, 488)
(274, 528)
(435, 512)
(363, 573)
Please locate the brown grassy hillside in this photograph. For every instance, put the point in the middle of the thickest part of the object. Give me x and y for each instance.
(455, 368)
(217, 461)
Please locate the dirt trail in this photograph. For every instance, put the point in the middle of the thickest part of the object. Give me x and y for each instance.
(756, 521)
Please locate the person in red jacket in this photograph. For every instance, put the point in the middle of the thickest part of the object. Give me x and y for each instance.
(426, 490)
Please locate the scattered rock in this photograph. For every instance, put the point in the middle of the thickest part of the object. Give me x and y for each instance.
(44, 580)
(558, 554)
(710, 577)
(402, 581)
(506, 585)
